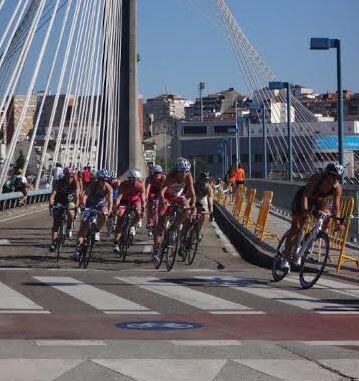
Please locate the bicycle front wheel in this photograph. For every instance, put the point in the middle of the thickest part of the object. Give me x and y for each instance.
(193, 243)
(314, 260)
(171, 247)
(277, 272)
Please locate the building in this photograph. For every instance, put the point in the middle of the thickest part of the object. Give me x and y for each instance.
(214, 105)
(14, 113)
(167, 105)
(214, 143)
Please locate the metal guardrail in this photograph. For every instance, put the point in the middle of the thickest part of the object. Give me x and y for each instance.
(12, 200)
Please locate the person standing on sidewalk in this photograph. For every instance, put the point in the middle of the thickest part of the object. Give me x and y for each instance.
(239, 176)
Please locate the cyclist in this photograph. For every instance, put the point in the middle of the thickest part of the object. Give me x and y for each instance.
(154, 185)
(315, 195)
(66, 193)
(99, 196)
(204, 197)
(173, 192)
(132, 193)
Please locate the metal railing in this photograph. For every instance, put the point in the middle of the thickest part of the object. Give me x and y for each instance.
(12, 200)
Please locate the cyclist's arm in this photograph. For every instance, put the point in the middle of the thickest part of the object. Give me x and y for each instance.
(109, 197)
(77, 194)
(52, 197)
(210, 200)
(118, 200)
(148, 189)
(143, 197)
(192, 193)
(336, 201)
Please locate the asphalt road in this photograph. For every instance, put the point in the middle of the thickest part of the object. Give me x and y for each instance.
(127, 321)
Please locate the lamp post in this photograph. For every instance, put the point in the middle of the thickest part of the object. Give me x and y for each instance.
(237, 134)
(262, 109)
(326, 44)
(245, 119)
(280, 86)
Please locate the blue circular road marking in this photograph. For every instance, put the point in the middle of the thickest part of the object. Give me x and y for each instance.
(158, 325)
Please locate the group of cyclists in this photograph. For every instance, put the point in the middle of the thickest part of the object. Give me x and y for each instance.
(111, 193)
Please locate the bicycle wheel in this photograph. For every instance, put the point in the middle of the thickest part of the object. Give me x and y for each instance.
(86, 250)
(172, 246)
(193, 243)
(277, 273)
(157, 259)
(124, 241)
(314, 260)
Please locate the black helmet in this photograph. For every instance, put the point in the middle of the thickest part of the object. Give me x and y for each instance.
(335, 168)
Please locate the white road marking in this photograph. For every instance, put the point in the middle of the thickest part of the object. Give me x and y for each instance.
(4, 242)
(99, 299)
(147, 249)
(295, 299)
(164, 370)
(205, 343)
(24, 312)
(185, 295)
(35, 369)
(294, 370)
(22, 215)
(12, 301)
(131, 312)
(349, 367)
(66, 343)
(338, 342)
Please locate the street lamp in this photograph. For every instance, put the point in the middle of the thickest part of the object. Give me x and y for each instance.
(201, 87)
(245, 119)
(280, 86)
(262, 109)
(326, 44)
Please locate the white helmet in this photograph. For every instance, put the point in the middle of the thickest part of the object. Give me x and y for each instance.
(134, 174)
(156, 169)
(183, 165)
(335, 168)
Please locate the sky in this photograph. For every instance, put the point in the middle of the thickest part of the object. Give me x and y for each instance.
(179, 47)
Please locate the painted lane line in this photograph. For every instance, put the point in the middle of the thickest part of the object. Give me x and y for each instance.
(22, 215)
(131, 312)
(184, 294)
(4, 242)
(24, 312)
(206, 343)
(295, 299)
(67, 343)
(99, 299)
(334, 286)
(11, 300)
(147, 249)
(339, 342)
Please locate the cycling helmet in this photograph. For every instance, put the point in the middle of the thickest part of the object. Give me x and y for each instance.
(335, 168)
(183, 165)
(204, 175)
(69, 171)
(134, 174)
(113, 175)
(102, 174)
(156, 169)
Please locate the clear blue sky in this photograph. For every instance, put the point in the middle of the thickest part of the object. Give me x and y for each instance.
(179, 48)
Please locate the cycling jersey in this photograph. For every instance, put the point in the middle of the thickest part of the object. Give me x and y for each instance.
(97, 197)
(131, 191)
(202, 192)
(65, 193)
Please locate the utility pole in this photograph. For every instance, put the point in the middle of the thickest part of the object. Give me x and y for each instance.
(237, 134)
(201, 87)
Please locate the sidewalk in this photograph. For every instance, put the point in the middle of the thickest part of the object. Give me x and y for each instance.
(261, 252)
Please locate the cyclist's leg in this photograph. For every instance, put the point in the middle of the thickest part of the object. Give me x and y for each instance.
(118, 227)
(159, 227)
(55, 229)
(150, 212)
(298, 222)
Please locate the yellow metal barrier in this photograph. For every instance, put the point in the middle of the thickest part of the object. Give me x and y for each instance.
(238, 202)
(250, 196)
(338, 238)
(262, 217)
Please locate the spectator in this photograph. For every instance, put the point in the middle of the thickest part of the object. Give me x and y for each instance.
(20, 185)
(239, 176)
(86, 178)
(57, 173)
